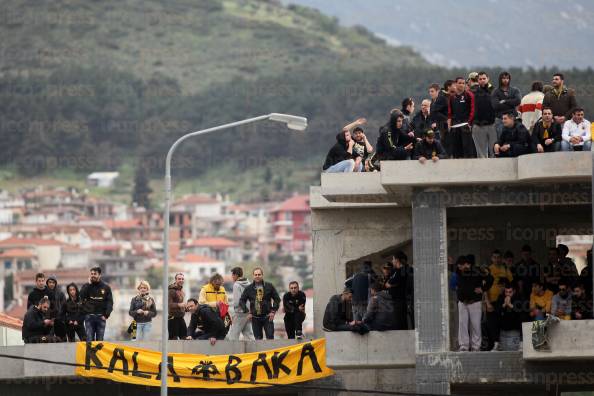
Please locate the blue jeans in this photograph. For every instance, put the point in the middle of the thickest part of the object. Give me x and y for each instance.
(143, 331)
(260, 323)
(566, 146)
(94, 327)
(342, 167)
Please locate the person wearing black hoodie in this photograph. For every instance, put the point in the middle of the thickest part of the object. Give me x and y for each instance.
(57, 300)
(515, 140)
(505, 99)
(72, 314)
(471, 284)
(97, 303)
(38, 292)
(342, 158)
(393, 143)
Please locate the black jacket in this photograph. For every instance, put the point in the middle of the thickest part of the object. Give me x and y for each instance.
(360, 283)
(72, 309)
(380, 312)
(146, 304)
(512, 98)
(35, 296)
(516, 136)
(483, 106)
(538, 131)
(510, 318)
(424, 149)
(209, 320)
(582, 305)
(400, 283)
(291, 303)
(270, 301)
(335, 313)
(438, 111)
(57, 299)
(461, 108)
(97, 299)
(338, 152)
(469, 281)
(391, 141)
(33, 324)
(420, 124)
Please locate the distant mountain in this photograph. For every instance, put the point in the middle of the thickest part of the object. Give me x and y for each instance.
(197, 43)
(528, 33)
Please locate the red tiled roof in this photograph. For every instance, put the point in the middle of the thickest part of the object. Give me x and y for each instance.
(10, 322)
(17, 253)
(195, 200)
(133, 223)
(17, 311)
(14, 241)
(213, 242)
(64, 275)
(298, 203)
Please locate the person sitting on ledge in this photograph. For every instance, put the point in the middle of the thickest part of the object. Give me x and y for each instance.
(429, 148)
(546, 133)
(581, 305)
(337, 314)
(561, 302)
(379, 315)
(393, 143)
(515, 139)
(342, 158)
(212, 326)
(576, 134)
(37, 327)
(540, 301)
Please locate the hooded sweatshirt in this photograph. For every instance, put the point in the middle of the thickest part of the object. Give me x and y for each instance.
(391, 141)
(380, 312)
(72, 309)
(238, 288)
(33, 325)
(176, 297)
(338, 152)
(56, 297)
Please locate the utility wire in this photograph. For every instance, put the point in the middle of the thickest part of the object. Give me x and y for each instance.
(296, 386)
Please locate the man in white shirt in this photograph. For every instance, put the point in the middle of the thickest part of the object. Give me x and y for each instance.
(577, 135)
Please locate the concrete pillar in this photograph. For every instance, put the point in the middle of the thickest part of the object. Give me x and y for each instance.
(431, 288)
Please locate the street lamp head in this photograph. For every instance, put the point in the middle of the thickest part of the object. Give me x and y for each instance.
(293, 122)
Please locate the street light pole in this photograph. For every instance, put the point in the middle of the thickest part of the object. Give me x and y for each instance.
(292, 122)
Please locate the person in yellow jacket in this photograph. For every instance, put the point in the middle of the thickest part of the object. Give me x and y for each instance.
(500, 273)
(213, 292)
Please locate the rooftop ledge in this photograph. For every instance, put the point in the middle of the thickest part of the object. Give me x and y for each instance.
(568, 339)
(393, 185)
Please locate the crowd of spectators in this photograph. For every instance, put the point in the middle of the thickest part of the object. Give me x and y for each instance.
(372, 302)
(468, 118)
(54, 317)
(495, 299)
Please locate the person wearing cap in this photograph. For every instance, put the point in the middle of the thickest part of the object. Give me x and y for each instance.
(472, 81)
(429, 148)
(483, 129)
(361, 283)
(338, 316)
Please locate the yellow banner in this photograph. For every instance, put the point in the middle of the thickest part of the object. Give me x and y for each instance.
(125, 363)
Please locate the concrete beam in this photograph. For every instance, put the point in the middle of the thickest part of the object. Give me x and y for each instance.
(317, 201)
(570, 340)
(377, 349)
